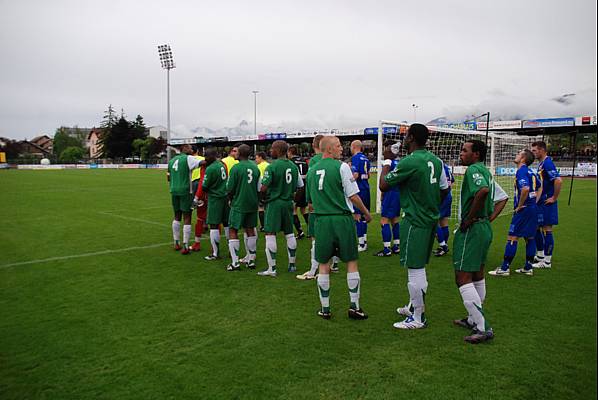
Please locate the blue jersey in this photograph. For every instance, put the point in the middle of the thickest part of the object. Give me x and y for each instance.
(450, 178)
(524, 178)
(548, 173)
(360, 164)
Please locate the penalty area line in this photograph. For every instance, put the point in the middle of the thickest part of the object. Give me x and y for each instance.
(97, 253)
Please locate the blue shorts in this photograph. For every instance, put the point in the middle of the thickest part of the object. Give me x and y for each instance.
(525, 223)
(550, 214)
(364, 195)
(445, 207)
(391, 204)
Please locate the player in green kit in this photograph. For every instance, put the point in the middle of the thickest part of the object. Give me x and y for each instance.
(332, 191)
(473, 239)
(311, 274)
(423, 184)
(180, 169)
(214, 185)
(242, 188)
(279, 184)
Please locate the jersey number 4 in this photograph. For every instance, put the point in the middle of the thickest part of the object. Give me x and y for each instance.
(175, 165)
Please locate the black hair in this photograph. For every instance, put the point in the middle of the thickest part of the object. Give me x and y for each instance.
(529, 157)
(420, 133)
(477, 146)
(244, 151)
(541, 144)
(261, 154)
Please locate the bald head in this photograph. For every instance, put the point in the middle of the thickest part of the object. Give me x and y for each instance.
(331, 147)
(356, 146)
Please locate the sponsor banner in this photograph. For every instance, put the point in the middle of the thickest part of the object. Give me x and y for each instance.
(252, 137)
(388, 130)
(513, 124)
(465, 126)
(548, 122)
(277, 135)
(268, 136)
(89, 166)
(176, 142)
(586, 169)
(237, 138)
(262, 136)
(370, 131)
(218, 139)
(585, 120)
(293, 135)
(3, 165)
(93, 166)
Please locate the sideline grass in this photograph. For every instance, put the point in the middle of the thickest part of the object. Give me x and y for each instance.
(152, 324)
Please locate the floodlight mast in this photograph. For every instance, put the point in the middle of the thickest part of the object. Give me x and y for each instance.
(167, 62)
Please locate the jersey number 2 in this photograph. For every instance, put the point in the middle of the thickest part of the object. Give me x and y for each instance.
(433, 180)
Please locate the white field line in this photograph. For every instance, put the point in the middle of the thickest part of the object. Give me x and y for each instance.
(132, 219)
(97, 253)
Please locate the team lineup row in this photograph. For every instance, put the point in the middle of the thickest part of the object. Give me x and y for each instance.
(233, 192)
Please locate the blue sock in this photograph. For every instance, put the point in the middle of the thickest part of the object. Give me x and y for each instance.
(548, 243)
(445, 233)
(359, 229)
(539, 240)
(439, 234)
(396, 232)
(386, 235)
(530, 252)
(510, 251)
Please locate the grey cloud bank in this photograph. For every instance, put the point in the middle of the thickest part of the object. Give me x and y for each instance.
(317, 65)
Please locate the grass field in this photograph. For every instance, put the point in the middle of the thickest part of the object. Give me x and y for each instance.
(116, 314)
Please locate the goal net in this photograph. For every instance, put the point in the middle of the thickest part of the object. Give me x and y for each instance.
(446, 144)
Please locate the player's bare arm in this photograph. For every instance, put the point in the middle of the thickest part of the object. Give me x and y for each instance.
(498, 207)
(356, 200)
(478, 202)
(557, 190)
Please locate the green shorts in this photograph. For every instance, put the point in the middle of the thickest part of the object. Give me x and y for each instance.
(279, 217)
(182, 202)
(416, 244)
(335, 235)
(218, 211)
(311, 225)
(470, 249)
(238, 220)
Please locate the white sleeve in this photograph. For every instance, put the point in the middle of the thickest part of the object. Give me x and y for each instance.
(499, 193)
(300, 183)
(349, 185)
(192, 162)
(443, 181)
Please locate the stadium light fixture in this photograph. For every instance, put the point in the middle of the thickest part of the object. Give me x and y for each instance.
(255, 92)
(415, 107)
(167, 62)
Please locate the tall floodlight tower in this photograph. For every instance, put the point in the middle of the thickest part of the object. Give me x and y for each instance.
(167, 63)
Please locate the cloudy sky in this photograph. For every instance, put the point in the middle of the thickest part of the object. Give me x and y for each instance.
(317, 64)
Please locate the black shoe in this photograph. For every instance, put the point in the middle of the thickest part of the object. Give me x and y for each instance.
(251, 265)
(357, 314)
(479, 336)
(300, 235)
(441, 251)
(324, 314)
(334, 268)
(384, 253)
(464, 323)
(232, 267)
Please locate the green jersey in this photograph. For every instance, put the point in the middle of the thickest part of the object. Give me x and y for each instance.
(282, 179)
(214, 181)
(420, 177)
(314, 161)
(242, 183)
(476, 177)
(180, 168)
(329, 185)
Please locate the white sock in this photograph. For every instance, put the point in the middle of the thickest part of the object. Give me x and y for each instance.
(397, 241)
(271, 250)
(227, 232)
(215, 241)
(386, 245)
(417, 286)
(245, 238)
(473, 305)
(314, 264)
(540, 254)
(480, 287)
(197, 239)
(548, 259)
(233, 247)
(365, 237)
(186, 235)
(353, 282)
(176, 230)
(324, 290)
(443, 243)
(361, 240)
(251, 246)
(291, 248)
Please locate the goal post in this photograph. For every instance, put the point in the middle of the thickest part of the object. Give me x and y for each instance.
(446, 144)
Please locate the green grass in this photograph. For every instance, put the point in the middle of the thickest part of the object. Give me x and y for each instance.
(152, 324)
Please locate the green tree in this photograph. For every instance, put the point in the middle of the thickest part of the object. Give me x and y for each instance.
(63, 140)
(72, 154)
(108, 122)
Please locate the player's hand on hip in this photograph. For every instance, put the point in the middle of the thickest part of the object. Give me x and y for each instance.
(357, 217)
(368, 217)
(549, 201)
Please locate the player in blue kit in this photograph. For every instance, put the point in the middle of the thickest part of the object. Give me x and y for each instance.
(360, 166)
(391, 204)
(442, 230)
(547, 204)
(525, 217)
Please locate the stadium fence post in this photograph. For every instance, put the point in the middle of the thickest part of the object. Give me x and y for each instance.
(574, 162)
(379, 172)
